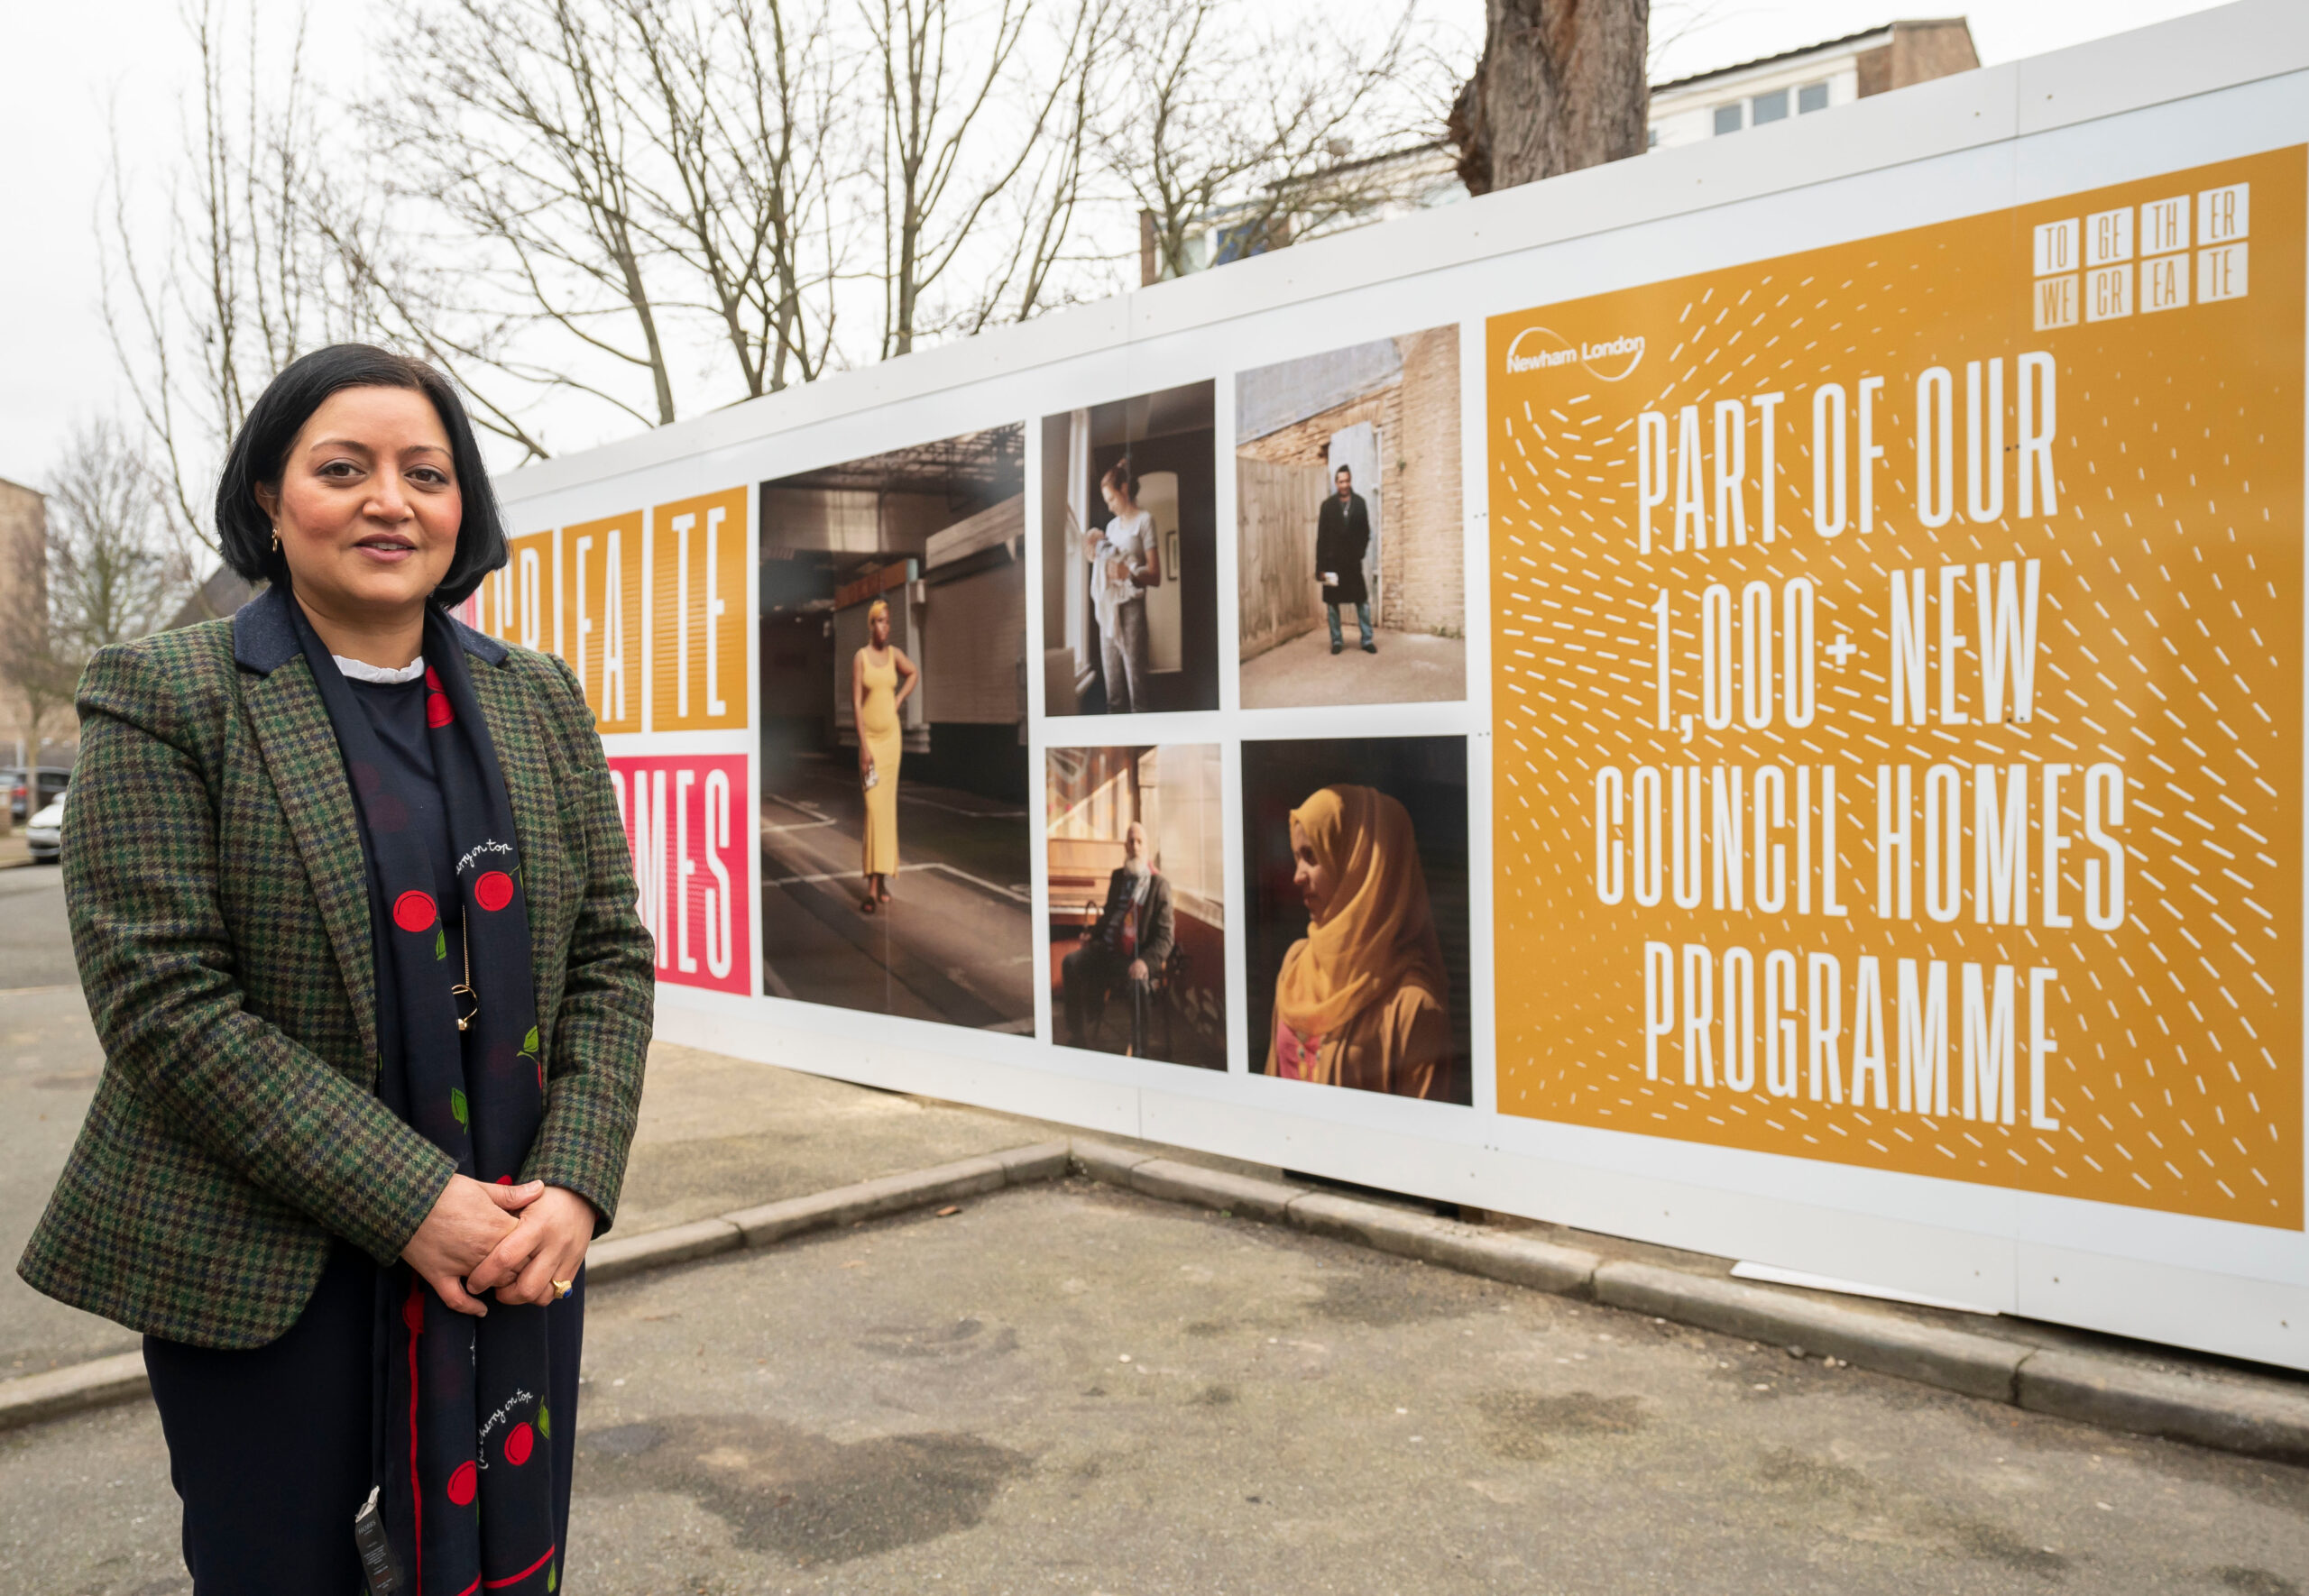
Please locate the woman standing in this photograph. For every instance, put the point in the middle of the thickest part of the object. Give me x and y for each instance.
(1363, 1000)
(881, 679)
(1124, 562)
(356, 920)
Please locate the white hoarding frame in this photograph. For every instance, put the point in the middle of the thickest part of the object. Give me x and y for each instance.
(2222, 84)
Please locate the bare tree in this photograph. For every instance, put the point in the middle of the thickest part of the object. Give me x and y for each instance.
(107, 567)
(962, 124)
(1562, 86)
(238, 283)
(1037, 262)
(655, 206)
(580, 193)
(115, 571)
(743, 117)
(1251, 123)
(511, 117)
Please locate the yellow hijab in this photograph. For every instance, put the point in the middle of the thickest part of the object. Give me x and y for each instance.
(1377, 935)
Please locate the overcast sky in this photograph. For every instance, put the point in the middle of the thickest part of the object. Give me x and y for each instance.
(70, 62)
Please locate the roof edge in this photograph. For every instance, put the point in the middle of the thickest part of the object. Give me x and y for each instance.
(1788, 55)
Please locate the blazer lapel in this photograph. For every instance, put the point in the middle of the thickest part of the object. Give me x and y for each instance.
(308, 772)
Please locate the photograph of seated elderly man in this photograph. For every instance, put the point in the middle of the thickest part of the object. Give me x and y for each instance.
(1348, 505)
(897, 839)
(1342, 537)
(1138, 922)
(1130, 939)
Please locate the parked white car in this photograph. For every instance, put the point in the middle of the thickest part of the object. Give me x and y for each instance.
(44, 833)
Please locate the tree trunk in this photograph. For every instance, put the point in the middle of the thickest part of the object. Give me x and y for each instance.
(1560, 86)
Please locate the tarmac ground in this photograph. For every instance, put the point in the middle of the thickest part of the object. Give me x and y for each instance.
(1069, 1388)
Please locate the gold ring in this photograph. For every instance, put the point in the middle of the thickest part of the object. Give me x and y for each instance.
(564, 1288)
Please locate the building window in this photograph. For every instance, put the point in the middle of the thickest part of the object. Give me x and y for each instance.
(1768, 107)
(1727, 118)
(1239, 244)
(1811, 98)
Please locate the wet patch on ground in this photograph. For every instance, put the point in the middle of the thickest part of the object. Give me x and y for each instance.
(950, 1341)
(1521, 1424)
(1851, 1503)
(1379, 1294)
(813, 1501)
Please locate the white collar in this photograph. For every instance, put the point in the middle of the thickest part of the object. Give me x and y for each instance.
(362, 671)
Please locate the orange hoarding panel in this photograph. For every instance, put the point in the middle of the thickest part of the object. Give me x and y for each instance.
(1898, 700)
(520, 601)
(697, 582)
(600, 631)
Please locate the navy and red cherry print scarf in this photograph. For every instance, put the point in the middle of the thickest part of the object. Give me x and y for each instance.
(467, 1472)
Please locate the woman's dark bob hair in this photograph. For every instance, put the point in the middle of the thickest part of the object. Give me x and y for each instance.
(260, 452)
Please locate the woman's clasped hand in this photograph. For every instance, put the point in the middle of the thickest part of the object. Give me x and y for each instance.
(515, 1241)
(546, 1246)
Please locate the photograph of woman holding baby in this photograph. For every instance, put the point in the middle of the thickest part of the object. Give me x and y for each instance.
(1129, 532)
(1125, 560)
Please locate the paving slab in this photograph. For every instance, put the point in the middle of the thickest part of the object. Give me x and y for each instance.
(718, 1134)
(48, 1065)
(1067, 1387)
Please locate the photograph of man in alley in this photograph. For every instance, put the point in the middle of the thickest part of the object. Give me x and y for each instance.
(892, 624)
(1342, 537)
(1348, 505)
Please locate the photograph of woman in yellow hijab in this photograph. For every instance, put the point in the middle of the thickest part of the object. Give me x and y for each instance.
(1363, 997)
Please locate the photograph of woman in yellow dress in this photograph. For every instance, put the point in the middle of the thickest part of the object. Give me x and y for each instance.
(881, 679)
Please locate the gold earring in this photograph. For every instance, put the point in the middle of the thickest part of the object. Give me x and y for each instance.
(276, 540)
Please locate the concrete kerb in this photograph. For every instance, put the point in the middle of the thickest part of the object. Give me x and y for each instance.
(31, 1398)
(1953, 1360)
(2258, 1423)
(677, 1244)
(2255, 1421)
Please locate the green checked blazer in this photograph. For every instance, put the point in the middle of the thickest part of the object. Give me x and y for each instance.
(220, 913)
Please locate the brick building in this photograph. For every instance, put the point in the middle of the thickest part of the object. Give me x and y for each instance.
(23, 566)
